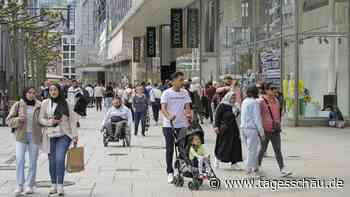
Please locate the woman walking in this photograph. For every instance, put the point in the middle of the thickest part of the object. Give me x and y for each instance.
(271, 120)
(59, 131)
(252, 130)
(23, 117)
(228, 144)
(98, 93)
(140, 107)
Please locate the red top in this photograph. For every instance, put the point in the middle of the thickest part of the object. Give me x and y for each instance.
(265, 114)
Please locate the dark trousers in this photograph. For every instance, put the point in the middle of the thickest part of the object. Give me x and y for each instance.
(57, 158)
(98, 103)
(169, 148)
(210, 110)
(155, 110)
(140, 117)
(275, 139)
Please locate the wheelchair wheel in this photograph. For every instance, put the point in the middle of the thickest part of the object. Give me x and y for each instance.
(127, 139)
(105, 137)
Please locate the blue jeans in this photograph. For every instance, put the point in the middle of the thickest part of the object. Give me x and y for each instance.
(57, 158)
(33, 150)
(140, 117)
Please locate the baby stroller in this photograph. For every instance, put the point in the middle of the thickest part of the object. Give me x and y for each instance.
(184, 167)
(119, 131)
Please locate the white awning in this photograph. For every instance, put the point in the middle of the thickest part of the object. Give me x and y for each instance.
(148, 13)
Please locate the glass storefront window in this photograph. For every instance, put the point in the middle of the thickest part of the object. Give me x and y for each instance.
(258, 38)
(323, 63)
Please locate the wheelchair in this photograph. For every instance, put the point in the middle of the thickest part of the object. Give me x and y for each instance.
(119, 131)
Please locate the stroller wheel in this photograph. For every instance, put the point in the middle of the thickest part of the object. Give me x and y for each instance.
(194, 184)
(178, 181)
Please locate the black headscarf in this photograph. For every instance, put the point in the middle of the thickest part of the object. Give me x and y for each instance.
(62, 105)
(24, 97)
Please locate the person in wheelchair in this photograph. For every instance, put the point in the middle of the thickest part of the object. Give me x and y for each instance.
(118, 115)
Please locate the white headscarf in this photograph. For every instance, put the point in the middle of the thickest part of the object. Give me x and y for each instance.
(228, 98)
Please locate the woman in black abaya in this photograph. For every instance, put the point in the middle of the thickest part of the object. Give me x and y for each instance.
(228, 144)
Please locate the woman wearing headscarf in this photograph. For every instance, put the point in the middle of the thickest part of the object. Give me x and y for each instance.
(228, 144)
(59, 121)
(23, 117)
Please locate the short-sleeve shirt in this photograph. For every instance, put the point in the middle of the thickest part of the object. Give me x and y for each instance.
(176, 101)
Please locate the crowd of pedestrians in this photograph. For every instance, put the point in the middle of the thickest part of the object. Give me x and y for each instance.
(48, 118)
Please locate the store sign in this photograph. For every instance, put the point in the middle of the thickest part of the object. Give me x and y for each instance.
(176, 27)
(136, 49)
(151, 42)
(192, 28)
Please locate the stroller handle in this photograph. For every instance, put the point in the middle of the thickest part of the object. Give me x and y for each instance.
(172, 123)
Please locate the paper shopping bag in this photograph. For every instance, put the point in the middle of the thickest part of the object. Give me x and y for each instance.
(75, 160)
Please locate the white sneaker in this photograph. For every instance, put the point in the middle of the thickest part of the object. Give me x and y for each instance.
(285, 172)
(236, 167)
(53, 189)
(253, 175)
(170, 178)
(60, 190)
(18, 191)
(29, 190)
(216, 163)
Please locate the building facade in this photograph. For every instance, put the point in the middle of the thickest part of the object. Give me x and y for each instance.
(88, 66)
(65, 66)
(302, 46)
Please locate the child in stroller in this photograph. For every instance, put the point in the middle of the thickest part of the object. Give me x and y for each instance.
(198, 156)
(190, 162)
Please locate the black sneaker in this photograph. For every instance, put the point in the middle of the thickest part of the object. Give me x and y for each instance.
(78, 124)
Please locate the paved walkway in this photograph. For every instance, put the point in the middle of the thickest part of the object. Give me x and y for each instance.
(319, 153)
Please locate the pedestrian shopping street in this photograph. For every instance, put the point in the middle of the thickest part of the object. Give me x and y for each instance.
(139, 171)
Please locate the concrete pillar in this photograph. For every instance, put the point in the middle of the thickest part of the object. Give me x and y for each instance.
(332, 42)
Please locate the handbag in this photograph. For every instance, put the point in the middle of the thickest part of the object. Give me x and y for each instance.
(276, 126)
(75, 160)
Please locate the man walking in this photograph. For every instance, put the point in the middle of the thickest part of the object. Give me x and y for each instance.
(175, 105)
(74, 94)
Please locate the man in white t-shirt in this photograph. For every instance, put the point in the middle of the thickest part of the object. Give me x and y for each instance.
(175, 106)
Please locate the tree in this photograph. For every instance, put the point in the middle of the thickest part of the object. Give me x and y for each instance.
(30, 32)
